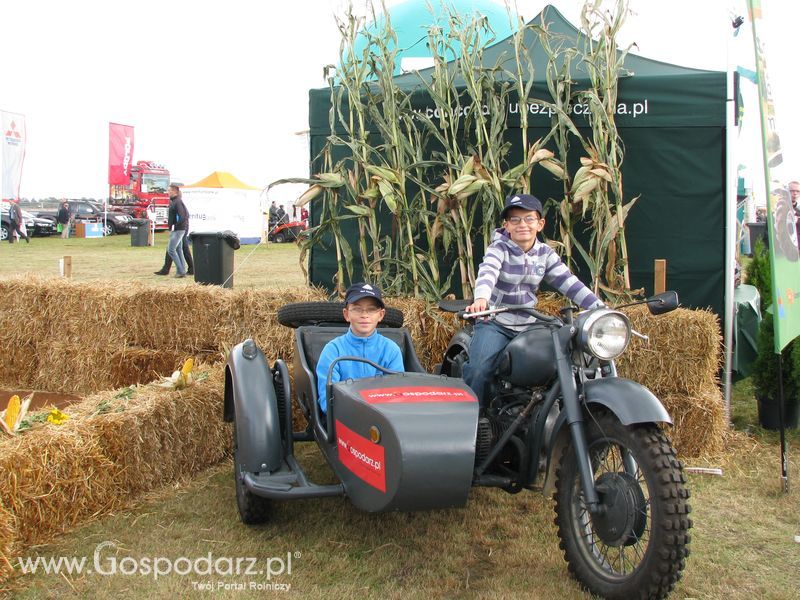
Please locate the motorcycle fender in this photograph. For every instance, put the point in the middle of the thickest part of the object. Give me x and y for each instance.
(250, 396)
(630, 401)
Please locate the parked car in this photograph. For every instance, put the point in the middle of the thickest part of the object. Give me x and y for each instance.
(117, 221)
(34, 225)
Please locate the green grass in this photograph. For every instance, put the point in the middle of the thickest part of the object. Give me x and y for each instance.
(498, 546)
(114, 259)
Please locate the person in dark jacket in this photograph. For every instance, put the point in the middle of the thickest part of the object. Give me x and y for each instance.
(187, 255)
(178, 223)
(15, 220)
(63, 218)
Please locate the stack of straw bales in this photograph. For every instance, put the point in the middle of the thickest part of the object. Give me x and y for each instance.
(680, 364)
(85, 338)
(114, 447)
(80, 338)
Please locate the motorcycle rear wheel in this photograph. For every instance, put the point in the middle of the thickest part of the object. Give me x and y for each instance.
(638, 546)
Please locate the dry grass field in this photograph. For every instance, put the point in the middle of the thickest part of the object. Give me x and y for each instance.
(500, 546)
(113, 259)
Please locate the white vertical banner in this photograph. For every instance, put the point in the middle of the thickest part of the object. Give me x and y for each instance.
(12, 129)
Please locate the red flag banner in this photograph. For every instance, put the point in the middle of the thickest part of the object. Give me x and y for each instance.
(120, 153)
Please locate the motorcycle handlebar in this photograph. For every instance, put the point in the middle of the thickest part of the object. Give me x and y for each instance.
(493, 311)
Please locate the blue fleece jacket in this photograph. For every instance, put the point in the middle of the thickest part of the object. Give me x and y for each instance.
(376, 348)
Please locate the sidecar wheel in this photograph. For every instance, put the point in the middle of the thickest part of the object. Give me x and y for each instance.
(313, 313)
(253, 510)
(637, 547)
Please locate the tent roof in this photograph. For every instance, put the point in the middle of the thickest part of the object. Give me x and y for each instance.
(651, 93)
(502, 52)
(221, 179)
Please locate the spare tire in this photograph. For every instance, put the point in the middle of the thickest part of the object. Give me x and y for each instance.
(313, 313)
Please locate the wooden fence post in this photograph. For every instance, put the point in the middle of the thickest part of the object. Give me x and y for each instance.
(66, 267)
(660, 283)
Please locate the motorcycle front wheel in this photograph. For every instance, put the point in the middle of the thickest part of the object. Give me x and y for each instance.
(636, 545)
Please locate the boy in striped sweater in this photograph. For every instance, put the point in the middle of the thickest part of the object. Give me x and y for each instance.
(513, 267)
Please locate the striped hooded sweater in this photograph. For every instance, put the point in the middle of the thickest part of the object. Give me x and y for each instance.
(511, 277)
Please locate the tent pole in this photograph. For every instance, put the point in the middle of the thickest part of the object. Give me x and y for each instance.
(731, 173)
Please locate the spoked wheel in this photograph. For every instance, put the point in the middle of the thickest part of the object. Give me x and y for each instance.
(252, 509)
(636, 546)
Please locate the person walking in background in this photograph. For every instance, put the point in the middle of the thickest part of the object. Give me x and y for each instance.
(178, 223)
(15, 220)
(187, 255)
(63, 219)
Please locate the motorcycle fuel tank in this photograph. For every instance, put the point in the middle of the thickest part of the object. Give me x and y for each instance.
(529, 359)
(404, 442)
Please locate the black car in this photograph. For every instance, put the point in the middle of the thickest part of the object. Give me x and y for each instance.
(116, 221)
(34, 225)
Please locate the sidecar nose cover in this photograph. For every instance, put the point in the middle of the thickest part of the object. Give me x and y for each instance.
(425, 454)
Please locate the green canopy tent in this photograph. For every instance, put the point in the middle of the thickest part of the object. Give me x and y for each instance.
(672, 121)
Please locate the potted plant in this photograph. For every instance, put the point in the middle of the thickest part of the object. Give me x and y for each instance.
(765, 379)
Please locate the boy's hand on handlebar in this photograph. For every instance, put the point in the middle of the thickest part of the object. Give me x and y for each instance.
(477, 306)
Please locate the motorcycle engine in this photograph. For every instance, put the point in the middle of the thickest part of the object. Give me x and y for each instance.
(491, 426)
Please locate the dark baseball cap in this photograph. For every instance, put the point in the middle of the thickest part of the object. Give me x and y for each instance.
(523, 201)
(360, 290)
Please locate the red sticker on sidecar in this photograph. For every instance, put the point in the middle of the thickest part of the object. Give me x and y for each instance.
(416, 394)
(363, 458)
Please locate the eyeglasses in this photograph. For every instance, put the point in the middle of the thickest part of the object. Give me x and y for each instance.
(369, 310)
(517, 220)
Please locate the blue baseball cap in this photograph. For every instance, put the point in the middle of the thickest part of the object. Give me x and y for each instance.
(360, 290)
(523, 201)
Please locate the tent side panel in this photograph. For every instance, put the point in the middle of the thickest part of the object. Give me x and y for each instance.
(680, 216)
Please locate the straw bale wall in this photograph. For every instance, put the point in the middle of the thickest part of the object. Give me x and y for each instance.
(86, 338)
(116, 445)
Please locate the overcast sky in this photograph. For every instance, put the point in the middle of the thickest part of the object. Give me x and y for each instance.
(224, 85)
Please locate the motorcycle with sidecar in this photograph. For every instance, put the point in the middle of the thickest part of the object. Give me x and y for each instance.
(558, 419)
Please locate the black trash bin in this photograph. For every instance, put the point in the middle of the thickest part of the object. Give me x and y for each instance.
(140, 232)
(213, 256)
(758, 230)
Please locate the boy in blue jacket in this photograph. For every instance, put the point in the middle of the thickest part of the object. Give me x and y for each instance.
(364, 309)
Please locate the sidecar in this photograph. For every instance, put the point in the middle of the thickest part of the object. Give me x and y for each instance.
(401, 441)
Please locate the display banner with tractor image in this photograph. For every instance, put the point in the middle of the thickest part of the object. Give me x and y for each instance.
(784, 251)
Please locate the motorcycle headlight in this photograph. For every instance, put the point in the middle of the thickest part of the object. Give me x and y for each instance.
(605, 333)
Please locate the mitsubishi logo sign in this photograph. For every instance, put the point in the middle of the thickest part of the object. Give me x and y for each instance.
(12, 135)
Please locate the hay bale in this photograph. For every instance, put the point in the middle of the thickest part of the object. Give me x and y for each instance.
(253, 314)
(181, 319)
(699, 423)
(682, 356)
(55, 478)
(19, 363)
(72, 366)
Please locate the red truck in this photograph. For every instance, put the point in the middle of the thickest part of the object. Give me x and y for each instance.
(145, 196)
